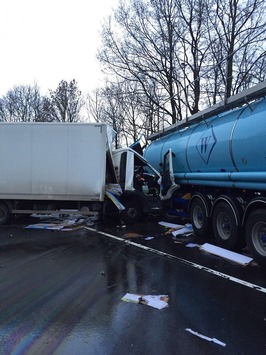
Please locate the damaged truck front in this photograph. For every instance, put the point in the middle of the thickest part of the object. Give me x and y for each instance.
(67, 168)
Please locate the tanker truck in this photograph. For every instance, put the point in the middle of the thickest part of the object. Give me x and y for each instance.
(213, 168)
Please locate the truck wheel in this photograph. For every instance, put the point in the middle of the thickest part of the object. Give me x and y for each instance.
(4, 213)
(256, 235)
(132, 212)
(226, 228)
(199, 219)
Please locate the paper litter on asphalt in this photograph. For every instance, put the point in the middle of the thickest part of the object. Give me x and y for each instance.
(226, 254)
(155, 301)
(214, 340)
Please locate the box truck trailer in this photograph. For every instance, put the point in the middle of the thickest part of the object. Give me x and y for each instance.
(68, 168)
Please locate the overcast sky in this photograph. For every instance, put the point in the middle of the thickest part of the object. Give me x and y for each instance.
(45, 41)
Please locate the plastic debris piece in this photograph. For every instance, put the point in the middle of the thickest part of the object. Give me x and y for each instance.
(50, 226)
(214, 340)
(185, 230)
(226, 254)
(155, 301)
(149, 238)
(115, 200)
(171, 225)
(192, 245)
(114, 189)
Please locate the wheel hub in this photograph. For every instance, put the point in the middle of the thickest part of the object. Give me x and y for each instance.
(259, 237)
(224, 226)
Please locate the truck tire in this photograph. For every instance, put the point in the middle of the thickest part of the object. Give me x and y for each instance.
(132, 212)
(199, 220)
(256, 235)
(226, 227)
(4, 214)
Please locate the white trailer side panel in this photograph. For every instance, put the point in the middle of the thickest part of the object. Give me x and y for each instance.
(53, 161)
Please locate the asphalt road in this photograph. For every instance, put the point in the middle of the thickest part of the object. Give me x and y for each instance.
(60, 293)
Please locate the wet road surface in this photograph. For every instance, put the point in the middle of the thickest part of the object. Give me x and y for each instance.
(60, 293)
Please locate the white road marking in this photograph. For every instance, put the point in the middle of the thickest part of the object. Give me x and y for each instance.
(197, 266)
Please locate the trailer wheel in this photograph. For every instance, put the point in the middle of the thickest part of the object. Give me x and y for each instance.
(132, 212)
(199, 219)
(4, 213)
(226, 227)
(256, 235)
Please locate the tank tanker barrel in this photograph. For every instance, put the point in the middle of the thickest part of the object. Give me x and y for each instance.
(218, 158)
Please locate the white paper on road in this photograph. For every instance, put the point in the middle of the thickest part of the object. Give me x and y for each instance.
(214, 340)
(227, 254)
(155, 301)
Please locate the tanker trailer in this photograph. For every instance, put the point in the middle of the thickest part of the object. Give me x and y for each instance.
(214, 169)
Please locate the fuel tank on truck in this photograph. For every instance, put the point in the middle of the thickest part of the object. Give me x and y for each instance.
(227, 150)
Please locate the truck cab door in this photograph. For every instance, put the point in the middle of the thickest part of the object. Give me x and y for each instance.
(168, 185)
(126, 171)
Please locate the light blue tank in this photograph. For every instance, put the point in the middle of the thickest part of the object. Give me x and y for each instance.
(226, 150)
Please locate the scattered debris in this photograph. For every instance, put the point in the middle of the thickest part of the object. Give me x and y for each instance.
(158, 301)
(192, 245)
(226, 254)
(171, 225)
(214, 340)
(115, 200)
(178, 229)
(114, 189)
(169, 231)
(66, 225)
(51, 226)
(185, 230)
(148, 238)
(132, 235)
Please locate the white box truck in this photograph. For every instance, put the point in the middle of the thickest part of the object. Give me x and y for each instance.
(66, 168)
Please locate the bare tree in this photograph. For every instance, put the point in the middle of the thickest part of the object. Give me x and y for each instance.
(143, 48)
(123, 106)
(239, 27)
(64, 104)
(185, 54)
(21, 104)
(103, 106)
(191, 36)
